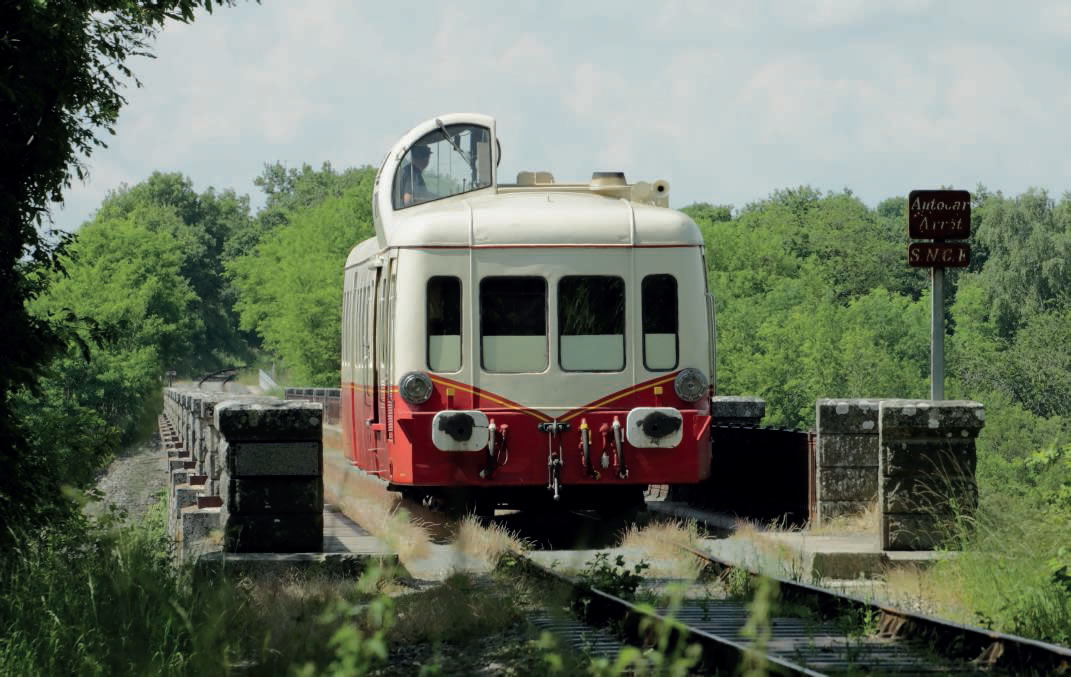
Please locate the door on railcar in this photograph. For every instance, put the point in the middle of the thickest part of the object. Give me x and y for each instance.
(383, 395)
(369, 356)
(351, 330)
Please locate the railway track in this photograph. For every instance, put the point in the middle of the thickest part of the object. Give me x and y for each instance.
(821, 632)
(966, 648)
(816, 631)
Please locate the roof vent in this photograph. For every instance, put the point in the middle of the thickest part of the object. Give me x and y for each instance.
(608, 179)
(534, 178)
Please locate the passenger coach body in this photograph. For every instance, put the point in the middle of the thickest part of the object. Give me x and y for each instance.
(546, 336)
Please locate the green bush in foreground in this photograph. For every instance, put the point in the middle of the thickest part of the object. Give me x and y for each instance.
(1013, 571)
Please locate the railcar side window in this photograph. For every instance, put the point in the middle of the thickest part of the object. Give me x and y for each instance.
(444, 323)
(660, 344)
(591, 323)
(513, 324)
(448, 161)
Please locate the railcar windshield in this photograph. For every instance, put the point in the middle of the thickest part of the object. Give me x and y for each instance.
(451, 160)
(513, 324)
(591, 322)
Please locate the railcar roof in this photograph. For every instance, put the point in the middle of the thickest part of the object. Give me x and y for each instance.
(537, 219)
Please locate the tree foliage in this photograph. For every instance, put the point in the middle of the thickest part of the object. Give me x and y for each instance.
(1024, 244)
(290, 285)
(62, 69)
(814, 299)
(202, 226)
(124, 275)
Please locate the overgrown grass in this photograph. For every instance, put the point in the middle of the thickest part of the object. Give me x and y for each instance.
(92, 598)
(863, 522)
(97, 597)
(1010, 574)
(1012, 567)
(661, 540)
(458, 610)
(487, 541)
(313, 620)
(384, 517)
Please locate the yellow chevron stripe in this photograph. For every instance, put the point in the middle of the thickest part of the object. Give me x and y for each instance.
(484, 395)
(618, 396)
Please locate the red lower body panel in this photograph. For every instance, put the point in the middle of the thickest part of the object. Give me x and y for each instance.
(396, 444)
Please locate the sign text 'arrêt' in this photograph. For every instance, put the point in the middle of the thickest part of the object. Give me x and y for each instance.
(939, 214)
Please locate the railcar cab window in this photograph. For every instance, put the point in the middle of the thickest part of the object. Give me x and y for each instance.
(591, 323)
(444, 323)
(451, 160)
(660, 343)
(513, 324)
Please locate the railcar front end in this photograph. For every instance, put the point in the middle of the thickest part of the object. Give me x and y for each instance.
(513, 344)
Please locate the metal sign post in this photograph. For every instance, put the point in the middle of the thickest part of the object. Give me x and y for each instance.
(940, 215)
(937, 334)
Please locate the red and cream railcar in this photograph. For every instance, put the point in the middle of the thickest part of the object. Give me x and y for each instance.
(511, 343)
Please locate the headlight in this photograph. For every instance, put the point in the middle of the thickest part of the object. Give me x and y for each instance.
(415, 387)
(690, 384)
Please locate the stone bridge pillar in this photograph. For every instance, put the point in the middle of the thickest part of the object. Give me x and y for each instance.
(846, 457)
(247, 474)
(272, 481)
(926, 470)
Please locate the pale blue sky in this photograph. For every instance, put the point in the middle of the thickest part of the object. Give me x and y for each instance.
(727, 100)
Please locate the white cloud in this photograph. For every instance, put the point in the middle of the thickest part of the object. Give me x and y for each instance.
(728, 100)
(529, 54)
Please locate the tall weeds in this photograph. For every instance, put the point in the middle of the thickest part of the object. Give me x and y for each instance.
(93, 598)
(97, 597)
(1012, 567)
(1011, 571)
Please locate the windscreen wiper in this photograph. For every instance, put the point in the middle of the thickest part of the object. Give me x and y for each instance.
(450, 140)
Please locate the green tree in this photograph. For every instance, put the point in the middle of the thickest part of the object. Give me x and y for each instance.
(706, 213)
(1025, 246)
(290, 286)
(814, 300)
(202, 226)
(124, 281)
(126, 275)
(288, 191)
(62, 69)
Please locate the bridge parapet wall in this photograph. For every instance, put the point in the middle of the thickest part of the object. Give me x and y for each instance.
(329, 397)
(246, 472)
(732, 410)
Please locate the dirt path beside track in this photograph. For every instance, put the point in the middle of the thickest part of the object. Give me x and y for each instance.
(133, 480)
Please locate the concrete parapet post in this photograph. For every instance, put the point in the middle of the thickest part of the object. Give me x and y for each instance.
(736, 411)
(272, 475)
(846, 457)
(207, 440)
(248, 469)
(927, 462)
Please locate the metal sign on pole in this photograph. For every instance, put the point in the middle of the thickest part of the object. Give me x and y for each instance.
(938, 215)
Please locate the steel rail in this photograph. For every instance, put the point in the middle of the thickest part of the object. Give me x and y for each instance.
(717, 651)
(983, 649)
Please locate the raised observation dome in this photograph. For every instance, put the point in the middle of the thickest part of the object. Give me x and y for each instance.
(439, 185)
